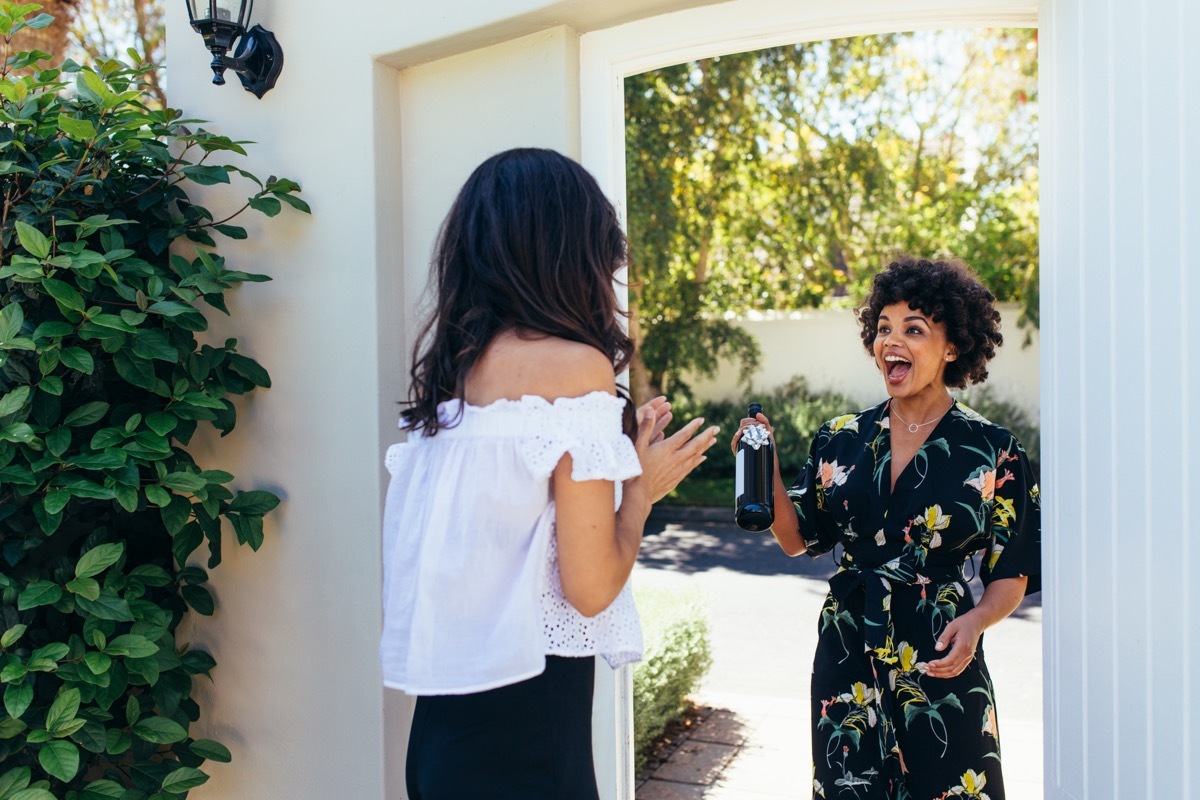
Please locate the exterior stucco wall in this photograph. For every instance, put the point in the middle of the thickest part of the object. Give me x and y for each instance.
(296, 694)
(824, 347)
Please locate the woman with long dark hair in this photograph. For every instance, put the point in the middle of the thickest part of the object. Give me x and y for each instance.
(516, 507)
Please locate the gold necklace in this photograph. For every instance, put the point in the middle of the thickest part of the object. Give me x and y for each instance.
(914, 427)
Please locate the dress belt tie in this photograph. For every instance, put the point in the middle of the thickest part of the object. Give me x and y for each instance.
(876, 584)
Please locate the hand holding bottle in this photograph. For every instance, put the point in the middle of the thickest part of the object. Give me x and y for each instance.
(754, 493)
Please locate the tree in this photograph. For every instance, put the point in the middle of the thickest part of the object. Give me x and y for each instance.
(52, 33)
(782, 179)
(107, 29)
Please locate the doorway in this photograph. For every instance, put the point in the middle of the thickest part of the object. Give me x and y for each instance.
(609, 56)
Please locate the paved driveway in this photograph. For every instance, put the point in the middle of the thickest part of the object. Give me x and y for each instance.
(763, 609)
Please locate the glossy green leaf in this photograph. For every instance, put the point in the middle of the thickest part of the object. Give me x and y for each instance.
(82, 129)
(14, 780)
(33, 240)
(39, 593)
(13, 401)
(175, 514)
(102, 790)
(98, 559)
(60, 759)
(107, 606)
(267, 205)
(183, 779)
(11, 320)
(98, 663)
(64, 709)
(249, 529)
(254, 502)
(184, 481)
(53, 651)
(58, 440)
(65, 295)
(211, 751)
(17, 697)
(12, 635)
(198, 599)
(78, 359)
(17, 432)
(159, 730)
(132, 646)
(84, 587)
(34, 792)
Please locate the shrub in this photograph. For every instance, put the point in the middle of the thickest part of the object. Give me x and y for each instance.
(677, 658)
(796, 411)
(102, 385)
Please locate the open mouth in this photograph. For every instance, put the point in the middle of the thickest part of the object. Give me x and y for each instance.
(896, 368)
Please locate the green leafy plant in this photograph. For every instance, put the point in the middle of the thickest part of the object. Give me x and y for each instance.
(797, 412)
(677, 657)
(105, 263)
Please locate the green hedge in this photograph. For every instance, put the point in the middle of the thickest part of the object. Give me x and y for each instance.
(797, 413)
(677, 657)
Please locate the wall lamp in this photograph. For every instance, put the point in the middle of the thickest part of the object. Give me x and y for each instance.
(258, 57)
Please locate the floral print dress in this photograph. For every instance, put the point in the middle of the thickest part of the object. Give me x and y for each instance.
(882, 728)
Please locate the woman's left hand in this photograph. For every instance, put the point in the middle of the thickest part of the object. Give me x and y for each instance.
(662, 416)
(962, 637)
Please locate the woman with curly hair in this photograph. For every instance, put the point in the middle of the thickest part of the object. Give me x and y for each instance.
(902, 701)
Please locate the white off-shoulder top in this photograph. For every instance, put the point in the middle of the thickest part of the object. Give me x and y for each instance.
(471, 592)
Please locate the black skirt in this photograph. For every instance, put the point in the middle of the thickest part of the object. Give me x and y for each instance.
(528, 741)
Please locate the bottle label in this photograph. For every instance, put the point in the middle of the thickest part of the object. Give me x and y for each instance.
(741, 474)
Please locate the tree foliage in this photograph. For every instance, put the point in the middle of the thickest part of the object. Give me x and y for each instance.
(105, 263)
(783, 179)
(107, 29)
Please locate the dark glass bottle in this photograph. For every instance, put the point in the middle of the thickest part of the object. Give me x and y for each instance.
(754, 495)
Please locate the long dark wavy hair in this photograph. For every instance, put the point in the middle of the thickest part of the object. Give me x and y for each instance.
(531, 244)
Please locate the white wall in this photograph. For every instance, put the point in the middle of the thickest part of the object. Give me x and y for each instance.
(296, 693)
(1120, 244)
(823, 345)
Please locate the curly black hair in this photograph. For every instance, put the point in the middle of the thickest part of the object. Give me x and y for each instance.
(949, 293)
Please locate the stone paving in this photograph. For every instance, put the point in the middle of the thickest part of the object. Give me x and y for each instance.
(763, 607)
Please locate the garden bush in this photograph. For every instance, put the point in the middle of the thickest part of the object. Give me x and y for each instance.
(104, 264)
(677, 657)
(797, 412)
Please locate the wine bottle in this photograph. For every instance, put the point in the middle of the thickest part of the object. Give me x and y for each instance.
(754, 495)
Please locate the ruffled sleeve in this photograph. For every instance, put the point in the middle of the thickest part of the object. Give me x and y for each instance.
(1015, 549)
(589, 428)
(394, 457)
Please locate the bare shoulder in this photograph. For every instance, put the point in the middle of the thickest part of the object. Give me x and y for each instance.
(546, 366)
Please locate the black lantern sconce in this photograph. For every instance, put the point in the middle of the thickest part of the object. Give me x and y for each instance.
(258, 57)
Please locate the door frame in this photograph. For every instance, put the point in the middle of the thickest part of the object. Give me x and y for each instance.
(607, 57)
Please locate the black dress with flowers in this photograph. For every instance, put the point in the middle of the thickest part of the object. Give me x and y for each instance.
(882, 728)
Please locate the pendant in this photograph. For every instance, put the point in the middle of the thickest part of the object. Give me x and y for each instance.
(913, 428)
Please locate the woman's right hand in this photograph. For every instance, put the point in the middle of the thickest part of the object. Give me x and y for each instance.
(668, 461)
(760, 419)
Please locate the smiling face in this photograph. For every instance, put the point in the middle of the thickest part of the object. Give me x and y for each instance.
(911, 350)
